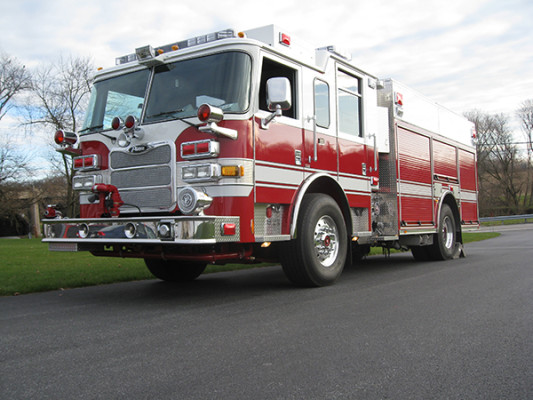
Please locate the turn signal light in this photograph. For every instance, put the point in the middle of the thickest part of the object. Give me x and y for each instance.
(232, 170)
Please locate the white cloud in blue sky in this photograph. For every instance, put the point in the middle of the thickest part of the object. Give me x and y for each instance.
(462, 54)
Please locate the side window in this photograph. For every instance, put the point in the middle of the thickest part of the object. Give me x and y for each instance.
(321, 103)
(349, 100)
(272, 69)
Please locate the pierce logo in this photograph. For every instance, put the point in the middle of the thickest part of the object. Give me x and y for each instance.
(138, 148)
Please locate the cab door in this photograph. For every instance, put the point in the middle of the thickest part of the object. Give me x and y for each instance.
(320, 139)
(278, 146)
(353, 152)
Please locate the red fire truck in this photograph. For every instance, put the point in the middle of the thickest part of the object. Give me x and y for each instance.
(253, 146)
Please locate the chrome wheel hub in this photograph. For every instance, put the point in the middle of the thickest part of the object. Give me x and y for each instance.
(326, 241)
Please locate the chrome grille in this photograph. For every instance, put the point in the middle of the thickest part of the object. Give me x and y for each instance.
(155, 155)
(141, 177)
(153, 198)
(144, 179)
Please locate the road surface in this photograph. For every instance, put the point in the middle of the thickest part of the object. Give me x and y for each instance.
(389, 329)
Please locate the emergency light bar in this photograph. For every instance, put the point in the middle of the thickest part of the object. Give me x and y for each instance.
(146, 53)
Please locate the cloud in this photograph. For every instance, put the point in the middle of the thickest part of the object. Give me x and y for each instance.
(474, 54)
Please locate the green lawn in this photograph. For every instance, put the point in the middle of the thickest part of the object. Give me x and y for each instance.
(27, 266)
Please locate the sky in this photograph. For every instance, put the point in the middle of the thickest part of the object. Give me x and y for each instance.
(463, 54)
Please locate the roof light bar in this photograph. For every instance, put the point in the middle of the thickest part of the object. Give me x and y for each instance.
(147, 53)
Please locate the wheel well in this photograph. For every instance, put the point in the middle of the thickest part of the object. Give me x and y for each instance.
(326, 185)
(452, 203)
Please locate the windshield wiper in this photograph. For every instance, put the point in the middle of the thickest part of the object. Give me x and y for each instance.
(165, 113)
(91, 128)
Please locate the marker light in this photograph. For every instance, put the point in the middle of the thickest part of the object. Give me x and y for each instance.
(399, 99)
(229, 229)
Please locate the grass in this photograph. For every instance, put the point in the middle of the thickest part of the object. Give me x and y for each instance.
(26, 266)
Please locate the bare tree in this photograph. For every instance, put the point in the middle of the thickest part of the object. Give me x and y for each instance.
(525, 114)
(59, 99)
(499, 167)
(14, 164)
(14, 78)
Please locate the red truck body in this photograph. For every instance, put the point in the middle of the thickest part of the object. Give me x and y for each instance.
(254, 146)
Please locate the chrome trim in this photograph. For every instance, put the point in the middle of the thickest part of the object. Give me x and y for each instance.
(184, 230)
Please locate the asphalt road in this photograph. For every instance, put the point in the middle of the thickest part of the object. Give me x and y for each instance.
(389, 329)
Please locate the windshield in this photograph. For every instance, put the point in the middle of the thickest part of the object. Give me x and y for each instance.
(221, 80)
(115, 97)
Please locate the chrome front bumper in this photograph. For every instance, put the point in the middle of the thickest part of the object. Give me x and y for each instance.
(75, 234)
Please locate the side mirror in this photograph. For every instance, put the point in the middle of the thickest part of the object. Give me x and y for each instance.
(278, 92)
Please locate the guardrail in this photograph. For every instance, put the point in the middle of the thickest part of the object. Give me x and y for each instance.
(503, 218)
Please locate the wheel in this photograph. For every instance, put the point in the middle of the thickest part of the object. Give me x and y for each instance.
(174, 271)
(316, 257)
(444, 243)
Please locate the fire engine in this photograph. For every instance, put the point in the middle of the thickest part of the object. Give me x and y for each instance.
(254, 146)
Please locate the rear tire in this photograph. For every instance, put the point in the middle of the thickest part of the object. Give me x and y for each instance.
(316, 257)
(175, 271)
(444, 244)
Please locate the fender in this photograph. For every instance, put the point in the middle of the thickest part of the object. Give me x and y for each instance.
(320, 183)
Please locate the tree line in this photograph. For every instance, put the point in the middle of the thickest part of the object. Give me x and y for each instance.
(54, 96)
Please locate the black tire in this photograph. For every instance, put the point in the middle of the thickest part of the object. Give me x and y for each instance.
(316, 257)
(444, 245)
(175, 271)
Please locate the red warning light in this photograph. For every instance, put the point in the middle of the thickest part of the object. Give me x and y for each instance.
(285, 39)
(204, 112)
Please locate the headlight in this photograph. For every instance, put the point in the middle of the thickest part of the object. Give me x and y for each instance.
(201, 173)
(85, 182)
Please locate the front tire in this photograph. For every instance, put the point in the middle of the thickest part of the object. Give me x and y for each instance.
(174, 271)
(316, 257)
